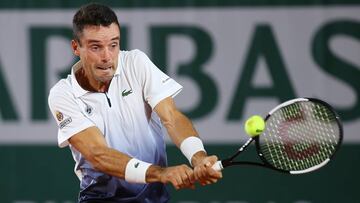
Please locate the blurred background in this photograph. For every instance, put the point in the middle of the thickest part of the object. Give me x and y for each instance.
(234, 58)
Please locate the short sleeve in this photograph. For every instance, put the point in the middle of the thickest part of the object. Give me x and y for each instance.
(156, 84)
(67, 114)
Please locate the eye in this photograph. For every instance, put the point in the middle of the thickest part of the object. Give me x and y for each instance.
(114, 45)
(94, 47)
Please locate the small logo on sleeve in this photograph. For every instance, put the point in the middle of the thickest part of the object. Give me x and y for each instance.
(136, 164)
(126, 92)
(59, 116)
(167, 79)
(65, 123)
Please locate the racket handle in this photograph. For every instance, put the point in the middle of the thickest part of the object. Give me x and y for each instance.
(218, 166)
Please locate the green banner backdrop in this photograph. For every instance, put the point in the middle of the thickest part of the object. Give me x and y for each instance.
(44, 174)
(234, 58)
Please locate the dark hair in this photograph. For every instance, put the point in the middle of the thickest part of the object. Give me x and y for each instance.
(92, 14)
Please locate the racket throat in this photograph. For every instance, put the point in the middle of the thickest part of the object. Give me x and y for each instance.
(225, 163)
(241, 149)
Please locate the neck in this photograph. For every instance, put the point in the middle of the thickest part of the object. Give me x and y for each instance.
(89, 86)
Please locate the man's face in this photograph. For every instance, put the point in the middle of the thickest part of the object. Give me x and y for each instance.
(98, 51)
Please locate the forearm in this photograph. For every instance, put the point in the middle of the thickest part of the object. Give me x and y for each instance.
(93, 147)
(115, 163)
(180, 130)
(179, 127)
(112, 162)
(108, 161)
(184, 134)
(180, 176)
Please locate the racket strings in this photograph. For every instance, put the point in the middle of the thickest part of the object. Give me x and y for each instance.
(299, 136)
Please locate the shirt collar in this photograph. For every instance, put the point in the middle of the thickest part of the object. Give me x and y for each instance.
(78, 90)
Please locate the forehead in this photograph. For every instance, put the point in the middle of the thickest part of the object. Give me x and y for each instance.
(100, 33)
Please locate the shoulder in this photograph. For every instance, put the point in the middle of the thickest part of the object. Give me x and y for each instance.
(133, 56)
(61, 89)
(134, 63)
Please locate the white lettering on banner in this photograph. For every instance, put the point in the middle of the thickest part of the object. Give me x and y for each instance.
(231, 31)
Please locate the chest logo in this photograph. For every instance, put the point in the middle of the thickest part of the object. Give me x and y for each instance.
(126, 92)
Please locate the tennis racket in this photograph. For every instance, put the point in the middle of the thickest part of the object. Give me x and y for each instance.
(301, 135)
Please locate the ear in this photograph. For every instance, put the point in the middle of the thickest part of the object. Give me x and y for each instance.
(75, 47)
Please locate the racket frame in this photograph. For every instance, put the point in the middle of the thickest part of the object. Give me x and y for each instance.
(230, 161)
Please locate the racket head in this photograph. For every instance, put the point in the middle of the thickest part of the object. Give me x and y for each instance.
(301, 135)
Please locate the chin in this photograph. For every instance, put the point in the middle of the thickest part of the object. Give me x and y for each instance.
(104, 79)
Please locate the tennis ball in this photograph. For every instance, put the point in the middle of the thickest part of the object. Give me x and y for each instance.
(254, 125)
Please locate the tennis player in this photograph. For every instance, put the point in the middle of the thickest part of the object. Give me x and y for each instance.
(110, 112)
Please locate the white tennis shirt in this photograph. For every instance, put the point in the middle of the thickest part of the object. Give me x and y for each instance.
(124, 114)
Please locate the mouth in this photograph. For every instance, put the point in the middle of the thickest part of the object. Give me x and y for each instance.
(104, 68)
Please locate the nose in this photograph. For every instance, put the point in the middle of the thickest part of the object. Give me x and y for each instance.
(105, 55)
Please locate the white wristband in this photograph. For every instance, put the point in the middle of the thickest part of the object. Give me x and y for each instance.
(135, 171)
(191, 146)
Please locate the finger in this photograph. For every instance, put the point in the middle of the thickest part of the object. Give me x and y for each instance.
(185, 174)
(177, 180)
(175, 184)
(207, 164)
(209, 177)
(185, 181)
(213, 159)
(190, 175)
(213, 173)
(200, 176)
(209, 181)
(204, 174)
(181, 181)
(197, 172)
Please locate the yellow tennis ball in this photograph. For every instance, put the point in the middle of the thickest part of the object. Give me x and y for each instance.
(254, 125)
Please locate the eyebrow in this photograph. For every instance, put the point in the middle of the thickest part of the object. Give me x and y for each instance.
(97, 41)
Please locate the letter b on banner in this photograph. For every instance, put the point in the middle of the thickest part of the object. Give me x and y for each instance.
(193, 69)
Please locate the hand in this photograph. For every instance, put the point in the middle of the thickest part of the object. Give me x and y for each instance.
(181, 176)
(203, 171)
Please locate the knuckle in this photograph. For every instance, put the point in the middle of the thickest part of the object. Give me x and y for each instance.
(170, 174)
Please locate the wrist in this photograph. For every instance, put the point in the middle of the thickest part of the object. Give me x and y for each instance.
(198, 158)
(153, 174)
(135, 171)
(191, 146)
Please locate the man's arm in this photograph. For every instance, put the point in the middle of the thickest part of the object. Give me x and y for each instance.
(92, 145)
(179, 127)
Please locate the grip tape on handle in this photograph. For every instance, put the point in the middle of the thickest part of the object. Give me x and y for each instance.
(218, 166)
